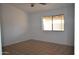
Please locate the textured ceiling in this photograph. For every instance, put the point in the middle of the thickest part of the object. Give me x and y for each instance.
(38, 7)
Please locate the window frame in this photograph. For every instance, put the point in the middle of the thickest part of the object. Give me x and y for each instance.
(52, 24)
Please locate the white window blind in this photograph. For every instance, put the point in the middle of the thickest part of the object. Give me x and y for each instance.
(55, 23)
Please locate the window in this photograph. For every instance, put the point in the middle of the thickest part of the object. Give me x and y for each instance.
(55, 23)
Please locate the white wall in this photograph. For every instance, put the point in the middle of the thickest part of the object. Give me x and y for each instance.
(15, 24)
(19, 26)
(65, 37)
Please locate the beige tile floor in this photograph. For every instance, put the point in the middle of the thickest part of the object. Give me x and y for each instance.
(35, 47)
